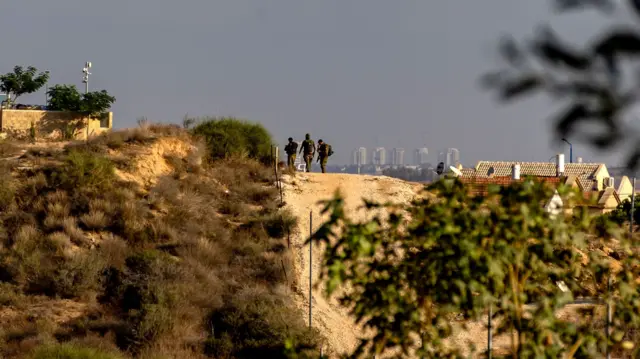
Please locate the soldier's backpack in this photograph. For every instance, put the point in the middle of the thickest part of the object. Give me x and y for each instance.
(291, 148)
(330, 151)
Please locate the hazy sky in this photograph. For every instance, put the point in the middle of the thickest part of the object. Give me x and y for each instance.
(352, 72)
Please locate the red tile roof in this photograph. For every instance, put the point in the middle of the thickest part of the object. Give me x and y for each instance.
(480, 185)
(584, 172)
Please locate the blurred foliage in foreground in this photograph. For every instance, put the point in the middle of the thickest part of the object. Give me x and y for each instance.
(597, 81)
(415, 269)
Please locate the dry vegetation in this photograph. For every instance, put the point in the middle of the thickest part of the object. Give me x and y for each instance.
(191, 264)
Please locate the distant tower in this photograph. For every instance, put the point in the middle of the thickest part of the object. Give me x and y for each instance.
(397, 156)
(359, 156)
(354, 157)
(362, 154)
(450, 157)
(380, 156)
(454, 155)
(420, 156)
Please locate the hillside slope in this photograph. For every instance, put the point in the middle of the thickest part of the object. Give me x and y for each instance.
(302, 194)
(134, 245)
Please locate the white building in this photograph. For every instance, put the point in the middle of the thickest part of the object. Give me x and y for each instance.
(379, 156)
(450, 157)
(359, 156)
(421, 156)
(397, 156)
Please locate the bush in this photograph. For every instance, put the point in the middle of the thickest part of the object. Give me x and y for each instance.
(70, 351)
(143, 292)
(256, 323)
(621, 214)
(83, 169)
(227, 137)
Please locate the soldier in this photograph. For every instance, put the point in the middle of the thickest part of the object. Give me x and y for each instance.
(291, 149)
(324, 151)
(309, 148)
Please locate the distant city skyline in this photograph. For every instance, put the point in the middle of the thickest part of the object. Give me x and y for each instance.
(401, 156)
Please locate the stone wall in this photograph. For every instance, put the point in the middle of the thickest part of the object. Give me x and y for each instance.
(53, 123)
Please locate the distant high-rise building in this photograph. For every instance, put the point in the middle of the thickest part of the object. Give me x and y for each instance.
(450, 157)
(359, 156)
(397, 156)
(454, 156)
(362, 151)
(379, 156)
(420, 156)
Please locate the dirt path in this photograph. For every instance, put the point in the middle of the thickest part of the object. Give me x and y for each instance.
(302, 194)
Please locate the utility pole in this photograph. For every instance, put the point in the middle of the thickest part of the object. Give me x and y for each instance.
(85, 78)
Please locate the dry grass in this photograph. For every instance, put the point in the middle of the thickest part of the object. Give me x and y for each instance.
(158, 266)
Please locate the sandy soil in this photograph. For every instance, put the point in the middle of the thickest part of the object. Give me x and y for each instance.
(302, 194)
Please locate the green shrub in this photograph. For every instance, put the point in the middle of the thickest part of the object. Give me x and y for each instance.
(228, 137)
(83, 168)
(256, 323)
(70, 351)
(144, 293)
(8, 188)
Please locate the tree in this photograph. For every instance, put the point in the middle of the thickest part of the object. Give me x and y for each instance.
(94, 104)
(68, 98)
(414, 267)
(64, 98)
(588, 78)
(22, 81)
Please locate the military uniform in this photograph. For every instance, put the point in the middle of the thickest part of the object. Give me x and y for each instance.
(309, 149)
(324, 151)
(290, 149)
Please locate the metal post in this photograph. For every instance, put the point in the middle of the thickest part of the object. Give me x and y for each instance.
(570, 153)
(489, 336)
(85, 79)
(633, 203)
(608, 319)
(310, 262)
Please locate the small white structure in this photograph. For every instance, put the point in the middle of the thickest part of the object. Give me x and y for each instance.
(515, 173)
(555, 204)
(560, 164)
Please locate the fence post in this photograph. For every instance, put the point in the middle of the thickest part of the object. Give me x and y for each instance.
(489, 336)
(310, 263)
(608, 320)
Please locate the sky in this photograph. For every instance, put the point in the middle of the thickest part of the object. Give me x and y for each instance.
(400, 73)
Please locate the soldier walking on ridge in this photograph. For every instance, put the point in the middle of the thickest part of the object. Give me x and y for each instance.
(324, 151)
(309, 148)
(291, 149)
